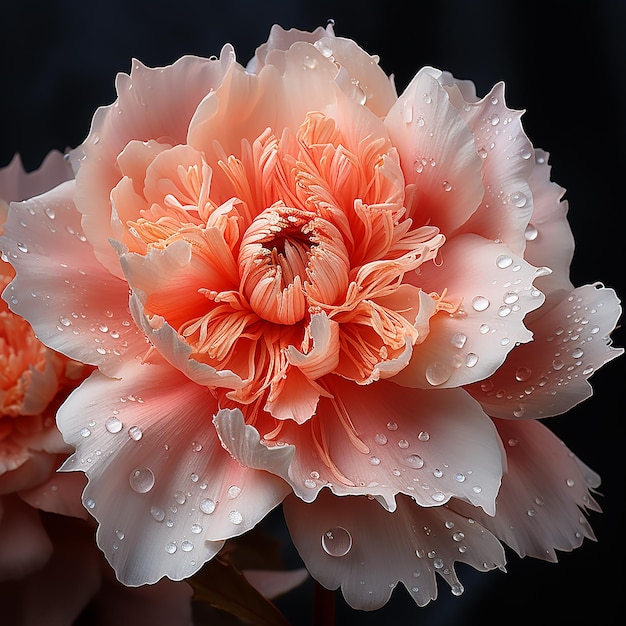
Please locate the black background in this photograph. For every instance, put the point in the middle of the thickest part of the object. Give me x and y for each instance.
(563, 62)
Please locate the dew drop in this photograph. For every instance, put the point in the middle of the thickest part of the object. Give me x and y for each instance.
(235, 517)
(471, 359)
(414, 460)
(119, 534)
(142, 479)
(446, 186)
(90, 503)
(170, 548)
(207, 506)
(135, 433)
(310, 63)
(233, 491)
(480, 303)
(458, 340)
(85, 432)
(22, 247)
(457, 589)
(438, 497)
(403, 444)
(50, 212)
(531, 233)
(196, 529)
(392, 426)
(186, 546)
(522, 374)
(113, 425)
(437, 373)
(337, 541)
(180, 497)
(374, 460)
(519, 199)
(423, 436)
(380, 439)
(309, 483)
(157, 513)
(459, 477)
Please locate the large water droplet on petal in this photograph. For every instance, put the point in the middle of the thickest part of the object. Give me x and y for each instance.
(337, 541)
(142, 479)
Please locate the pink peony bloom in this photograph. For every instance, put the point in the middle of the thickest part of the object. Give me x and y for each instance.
(297, 285)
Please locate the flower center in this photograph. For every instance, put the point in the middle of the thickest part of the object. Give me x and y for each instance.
(287, 253)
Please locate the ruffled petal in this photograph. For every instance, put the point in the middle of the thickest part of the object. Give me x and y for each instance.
(549, 375)
(73, 304)
(61, 494)
(164, 490)
(473, 342)
(378, 440)
(543, 496)
(410, 546)
(24, 544)
(437, 153)
(151, 104)
(17, 184)
(549, 239)
(507, 154)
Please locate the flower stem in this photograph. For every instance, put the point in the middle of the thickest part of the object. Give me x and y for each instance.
(323, 606)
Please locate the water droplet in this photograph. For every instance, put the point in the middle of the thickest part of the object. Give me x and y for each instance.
(22, 247)
(374, 460)
(135, 433)
(459, 477)
(157, 513)
(437, 373)
(510, 297)
(142, 479)
(531, 233)
(233, 491)
(90, 503)
(504, 310)
(458, 340)
(471, 359)
(480, 303)
(113, 425)
(570, 482)
(437, 473)
(186, 546)
(207, 506)
(446, 186)
(85, 432)
(482, 152)
(414, 460)
(235, 517)
(309, 483)
(457, 589)
(65, 321)
(120, 534)
(423, 436)
(407, 112)
(50, 212)
(403, 444)
(392, 426)
(380, 439)
(578, 353)
(477, 489)
(438, 496)
(180, 497)
(196, 529)
(522, 374)
(170, 548)
(310, 63)
(519, 199)
(337, 541)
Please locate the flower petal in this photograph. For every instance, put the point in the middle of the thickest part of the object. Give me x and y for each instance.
(152, 103)
(24, 544)
(379, 440)
(163, 488)
(410, 546)
(548, 376)
(74, 305)
(507, 163)
(437, 153)
(538, 509)
(496, 295)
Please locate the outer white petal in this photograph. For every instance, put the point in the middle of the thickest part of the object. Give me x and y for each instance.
(549, 375)
(355, 544)
(73, 303)
(164, 490)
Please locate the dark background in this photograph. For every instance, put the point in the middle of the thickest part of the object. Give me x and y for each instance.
(563, 62)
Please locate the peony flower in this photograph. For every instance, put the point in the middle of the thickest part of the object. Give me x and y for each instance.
(298, 286)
